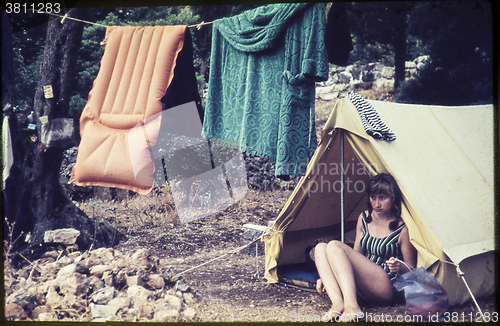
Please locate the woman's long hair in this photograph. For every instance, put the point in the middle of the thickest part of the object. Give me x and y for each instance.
(385, 184)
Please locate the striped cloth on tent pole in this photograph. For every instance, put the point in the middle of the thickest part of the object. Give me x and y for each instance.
(372, 123)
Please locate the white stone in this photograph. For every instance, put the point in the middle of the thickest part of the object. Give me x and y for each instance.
(98, 270)
(328, 96)
(134, 280)
(102, 311)
(166, 315)
(340, 87)
(103, 296)
(388, 72)
(47, 316)
(189, 298)
(52, 298)
(138, 294)
(39, 310)
(140, 256)
(72, 282)
(107, 277)
(71, 301)
(410, 65)
(345, 77)
(120, 302)
(65, 236)
(145, 310)
(104, 254)
(422, 59)
(189, 314)
(13, 311)
(323, 90)
(65, 261)
(173, 301)
(382, 83)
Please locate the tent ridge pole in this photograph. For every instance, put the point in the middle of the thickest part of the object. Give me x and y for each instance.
(342, 187)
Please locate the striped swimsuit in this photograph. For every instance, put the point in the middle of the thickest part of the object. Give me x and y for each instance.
(378, 250)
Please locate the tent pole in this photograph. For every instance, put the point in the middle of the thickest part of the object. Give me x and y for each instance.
(342, 187)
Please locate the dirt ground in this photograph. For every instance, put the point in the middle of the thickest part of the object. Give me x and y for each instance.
(231, 288)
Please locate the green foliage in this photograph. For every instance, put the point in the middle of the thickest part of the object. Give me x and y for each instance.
(458, 37)
(28, 68)
(372, 52)
(28, 43)
(415, 47)
(373, 27)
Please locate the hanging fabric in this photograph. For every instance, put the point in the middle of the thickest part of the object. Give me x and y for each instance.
(184, 86)
(122, 117)
(263, 69)
(372, 123)
(8, 155)
(337, 35)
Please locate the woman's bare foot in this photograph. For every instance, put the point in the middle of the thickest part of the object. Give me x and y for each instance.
(352, 314)
(334, 313)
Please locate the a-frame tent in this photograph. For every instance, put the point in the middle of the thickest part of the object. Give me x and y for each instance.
(443, 161)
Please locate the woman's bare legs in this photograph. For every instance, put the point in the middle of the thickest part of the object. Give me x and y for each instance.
(328, 278)
(351, 273)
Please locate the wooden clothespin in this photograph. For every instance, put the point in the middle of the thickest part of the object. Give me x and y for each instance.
(104, 41)
(198, 27)
(64, 18)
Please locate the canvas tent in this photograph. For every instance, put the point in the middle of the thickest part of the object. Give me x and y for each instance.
(443, 161)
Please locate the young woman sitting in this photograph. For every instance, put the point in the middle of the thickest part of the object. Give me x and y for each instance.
(369, 269)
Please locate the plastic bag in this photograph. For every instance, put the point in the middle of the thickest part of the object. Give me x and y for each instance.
(423, 294)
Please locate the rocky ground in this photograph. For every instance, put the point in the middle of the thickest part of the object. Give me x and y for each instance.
(152, 276)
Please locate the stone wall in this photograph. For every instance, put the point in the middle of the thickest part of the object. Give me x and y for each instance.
(343, 80)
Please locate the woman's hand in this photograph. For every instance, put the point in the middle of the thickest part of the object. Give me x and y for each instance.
(319, 287)
(393, 264)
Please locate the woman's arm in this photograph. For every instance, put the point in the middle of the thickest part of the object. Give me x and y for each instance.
(359, 234)
(409, 254)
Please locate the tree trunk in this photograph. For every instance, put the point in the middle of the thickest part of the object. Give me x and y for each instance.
(400, 52)
(34, 199)
(399, 42)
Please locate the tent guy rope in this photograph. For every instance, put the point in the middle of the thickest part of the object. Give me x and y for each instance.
(224, 255)
(462, 276)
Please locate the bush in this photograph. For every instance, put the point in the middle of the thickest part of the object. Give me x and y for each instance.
(461, 85)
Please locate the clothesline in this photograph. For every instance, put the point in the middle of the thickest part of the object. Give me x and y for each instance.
(198, 26)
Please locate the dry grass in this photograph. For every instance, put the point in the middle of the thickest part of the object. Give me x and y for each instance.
(8, 244)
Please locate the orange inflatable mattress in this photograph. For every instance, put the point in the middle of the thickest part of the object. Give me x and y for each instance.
(122, 117)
